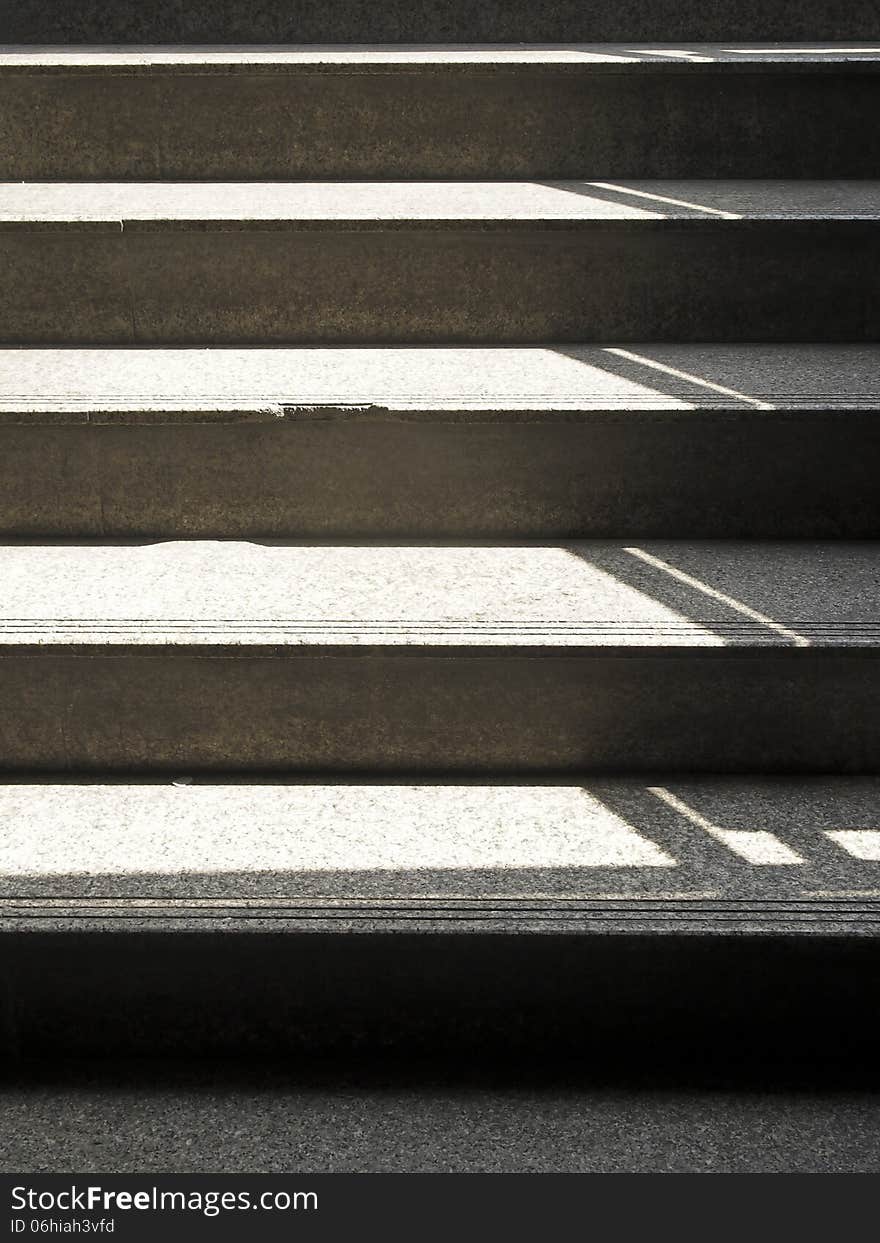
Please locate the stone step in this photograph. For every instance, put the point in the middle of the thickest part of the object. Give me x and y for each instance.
(439, 262)
(533, 658)
(360, 1117)
(430, 21)
(491, 111)
(384, 852)
(441, 442)
(157, 917)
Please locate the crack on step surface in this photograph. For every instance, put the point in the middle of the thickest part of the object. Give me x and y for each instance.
(331, 410)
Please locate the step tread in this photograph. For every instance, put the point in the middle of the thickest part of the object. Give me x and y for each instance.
(684, 853)
(150, 205)
(588, 595)
(78, 384)
(540, 1115)
(489, 57)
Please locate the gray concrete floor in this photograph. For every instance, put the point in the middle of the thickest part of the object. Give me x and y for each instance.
(169, 1119)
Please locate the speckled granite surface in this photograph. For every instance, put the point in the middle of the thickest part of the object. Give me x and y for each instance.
(348, 21)
(72, 385)
(152, 205)
(678, 839)
(597, 594)
(184, 1120)
(471, 658)
(457, 111)
(440, 442)
(450, 263)
(282, 57)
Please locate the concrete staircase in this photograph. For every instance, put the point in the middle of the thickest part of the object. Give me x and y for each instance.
(438, 485)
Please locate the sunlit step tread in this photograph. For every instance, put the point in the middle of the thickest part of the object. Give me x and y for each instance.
(251, 58)
(580, 594)
(675, 850)
(147, 206)
(302, 382)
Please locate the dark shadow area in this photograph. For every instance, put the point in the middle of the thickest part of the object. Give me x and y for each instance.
(706, 868)
(506, 21)
(472, 1072)
(601, 1008)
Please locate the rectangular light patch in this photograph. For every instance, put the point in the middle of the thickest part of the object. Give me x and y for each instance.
(860, 843)
(757, 846)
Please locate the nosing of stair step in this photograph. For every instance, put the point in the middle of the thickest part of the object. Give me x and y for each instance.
(402, 442)
(439, 263)
(596, 57)
(718, 656)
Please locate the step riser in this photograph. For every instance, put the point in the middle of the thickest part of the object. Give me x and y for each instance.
(694, 280)
(426, 21)
(424, 124)
(438, 711)
(629, 475)
(753, 998)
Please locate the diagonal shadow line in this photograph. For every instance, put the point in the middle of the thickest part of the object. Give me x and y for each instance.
(661, 381)
(807, 837)
(650, 580)
(762, 587)
(693, 849)
(708, 862)
(658, 206)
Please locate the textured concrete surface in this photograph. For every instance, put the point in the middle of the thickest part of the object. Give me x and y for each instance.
(499, 710)
(709, 839)
(279, 927)
(348, 21)
(697, 275)
(176, 1118)
(451, 112)
(701, 657)
(301, 443)
(582, 594)
(73, 385)
(283, 58)
(152, 206)
(283, 928)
